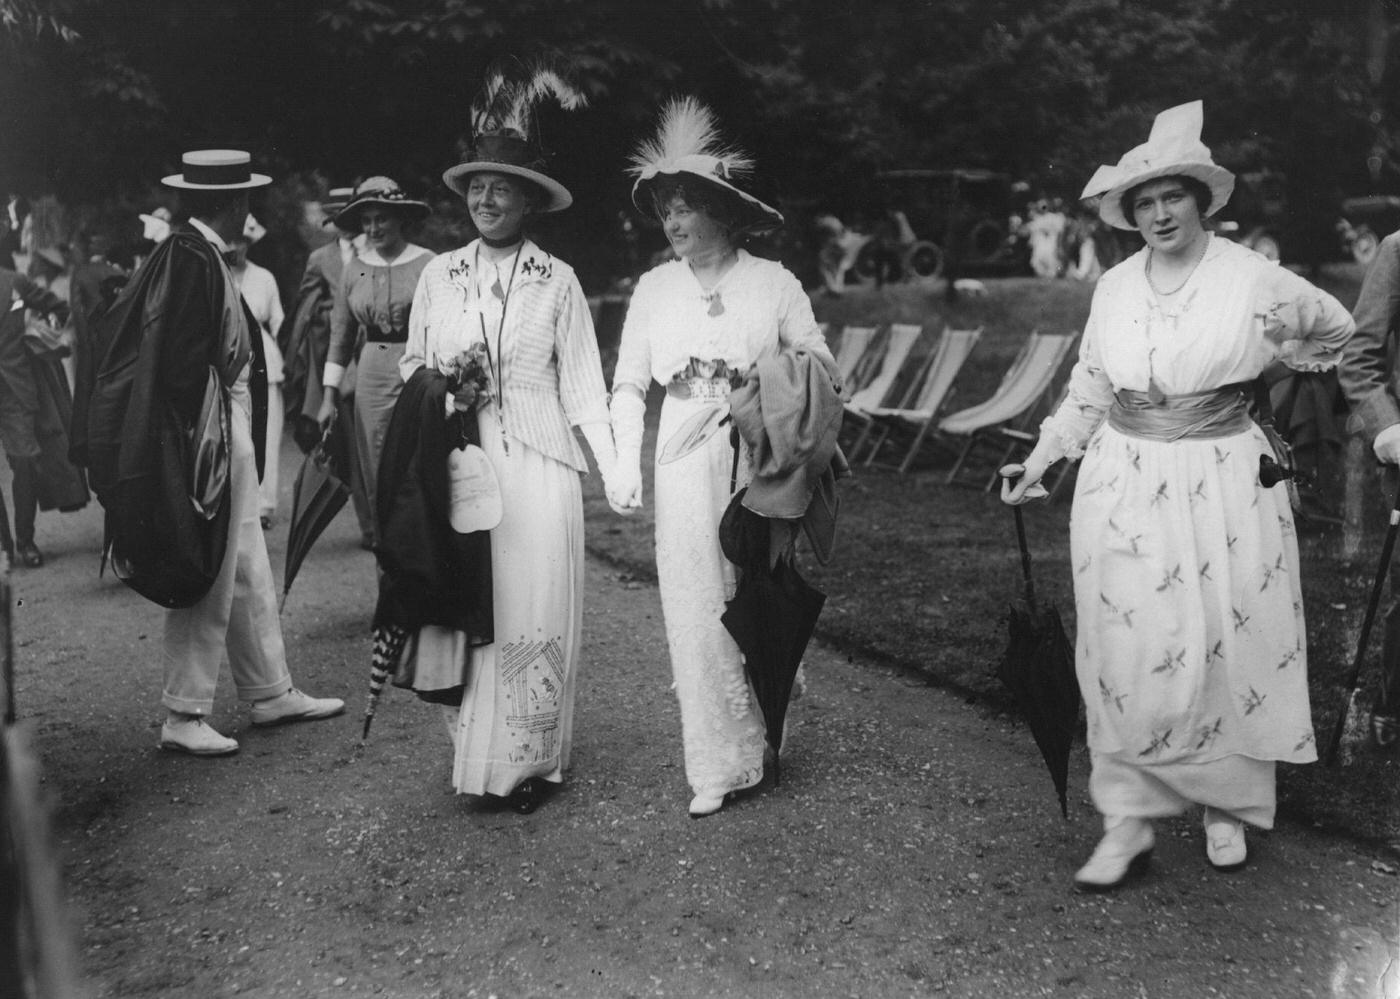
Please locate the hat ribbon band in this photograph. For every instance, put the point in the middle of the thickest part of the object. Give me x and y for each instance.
(217, 173)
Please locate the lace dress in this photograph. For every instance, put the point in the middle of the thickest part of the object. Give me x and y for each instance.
(1191, 645)
(679, 336)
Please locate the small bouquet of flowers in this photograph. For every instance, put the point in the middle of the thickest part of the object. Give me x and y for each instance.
(468, 376)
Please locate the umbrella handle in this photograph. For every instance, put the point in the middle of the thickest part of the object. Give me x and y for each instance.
(1377, 586)
(1025, 559)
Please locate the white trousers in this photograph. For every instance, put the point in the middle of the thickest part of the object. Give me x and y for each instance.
(267, 490)
(238, 615)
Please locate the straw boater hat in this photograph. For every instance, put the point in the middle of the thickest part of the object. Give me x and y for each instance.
(1173, 149)
(503, 129)
(688, 145)
(216, 170)
(336, 199)
(380, 191)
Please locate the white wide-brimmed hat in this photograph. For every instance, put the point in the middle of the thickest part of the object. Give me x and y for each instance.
(688, 145)
(1173, 149)
(511, 154)
(216, 170)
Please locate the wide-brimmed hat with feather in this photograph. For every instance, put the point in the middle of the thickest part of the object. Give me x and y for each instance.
(503, 130)
(1173, 149)
(688, 146)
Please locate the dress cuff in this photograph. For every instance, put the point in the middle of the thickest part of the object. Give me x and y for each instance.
(330, 378)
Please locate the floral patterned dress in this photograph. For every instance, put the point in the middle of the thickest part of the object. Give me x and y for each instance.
(1191, 646)
(677, 335)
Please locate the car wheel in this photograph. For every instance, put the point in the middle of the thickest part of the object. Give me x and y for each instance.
(923, 259)
(1364, 244)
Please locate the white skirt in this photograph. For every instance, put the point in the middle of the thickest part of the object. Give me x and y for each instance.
(516, 718)
(721, 725)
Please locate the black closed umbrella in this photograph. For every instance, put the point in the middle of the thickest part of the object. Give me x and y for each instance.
(319, 494)
(771, 617)
(1038, 668)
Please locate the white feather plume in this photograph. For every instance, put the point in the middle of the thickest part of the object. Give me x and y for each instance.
(509, 97)
(687, 128)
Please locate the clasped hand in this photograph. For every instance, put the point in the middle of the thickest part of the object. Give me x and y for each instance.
(623, 487)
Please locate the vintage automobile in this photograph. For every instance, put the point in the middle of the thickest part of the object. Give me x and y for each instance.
(962, 220)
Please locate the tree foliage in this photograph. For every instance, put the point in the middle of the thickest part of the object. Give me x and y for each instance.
(100, 96)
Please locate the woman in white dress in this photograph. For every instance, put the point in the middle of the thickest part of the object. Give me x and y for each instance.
(524, 309)
(1191, 650)
(693, 324)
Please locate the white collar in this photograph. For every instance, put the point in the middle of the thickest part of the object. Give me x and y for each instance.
(410, 252)
(209, 234)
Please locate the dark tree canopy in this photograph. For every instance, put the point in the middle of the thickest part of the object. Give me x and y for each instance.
(101, 96)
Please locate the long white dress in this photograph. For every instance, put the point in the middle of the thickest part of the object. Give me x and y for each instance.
(671, 330)
(516, 717)
(1191, 645)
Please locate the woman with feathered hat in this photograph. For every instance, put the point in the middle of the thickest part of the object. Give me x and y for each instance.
(518, 317)
(370, 313)
(1191, 652)
(693, 324)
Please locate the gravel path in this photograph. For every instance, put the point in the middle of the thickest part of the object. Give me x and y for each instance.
(913, 848)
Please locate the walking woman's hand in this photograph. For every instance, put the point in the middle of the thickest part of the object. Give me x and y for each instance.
(326, 414)
(1020, 483)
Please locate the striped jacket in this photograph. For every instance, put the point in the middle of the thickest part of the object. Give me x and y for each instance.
(546, 352)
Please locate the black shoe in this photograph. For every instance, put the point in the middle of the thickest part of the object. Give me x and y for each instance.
(29, 555)
(527, 797)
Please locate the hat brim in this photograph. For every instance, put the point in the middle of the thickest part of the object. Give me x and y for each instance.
(1220, 181)
(348, 218)
(254, 180)
(755, 215)
(559, 196)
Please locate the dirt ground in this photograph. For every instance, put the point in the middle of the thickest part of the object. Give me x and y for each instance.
(913, 848)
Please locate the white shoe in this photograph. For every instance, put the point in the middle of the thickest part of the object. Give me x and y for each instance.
(294, 706)
(1225, 844)
(1124, 850)
(705, 804)
(189, 734)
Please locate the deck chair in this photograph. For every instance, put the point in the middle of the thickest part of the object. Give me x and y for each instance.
(854, 355)
(891, 381)
(926, 399)
(1022, 393)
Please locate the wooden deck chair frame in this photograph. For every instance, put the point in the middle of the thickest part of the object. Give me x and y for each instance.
(894, 379)
(1023, 440)
(927, 398)
(855, 354)
(1030, 379)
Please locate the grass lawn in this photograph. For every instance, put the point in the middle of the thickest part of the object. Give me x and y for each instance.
(924, 572)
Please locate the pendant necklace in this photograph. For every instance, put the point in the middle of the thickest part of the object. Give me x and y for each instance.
(497, 361)
(712, 297)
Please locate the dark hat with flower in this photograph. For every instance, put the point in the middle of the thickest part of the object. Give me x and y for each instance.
(688, 147)
(503, 133)
(380, 191)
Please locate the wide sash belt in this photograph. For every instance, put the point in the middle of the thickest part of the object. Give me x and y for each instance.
(376, 334)
(702, 389)
(1219, 412)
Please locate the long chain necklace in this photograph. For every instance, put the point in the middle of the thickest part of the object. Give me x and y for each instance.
(497, 361)
(1197, 263)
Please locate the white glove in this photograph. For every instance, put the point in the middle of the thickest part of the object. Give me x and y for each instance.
(1021, 482)
(600, 442)
(625, 488)
(1387, 445)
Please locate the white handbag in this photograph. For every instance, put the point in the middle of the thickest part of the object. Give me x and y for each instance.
(474, 495)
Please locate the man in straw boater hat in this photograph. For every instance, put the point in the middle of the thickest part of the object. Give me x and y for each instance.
(198, 341)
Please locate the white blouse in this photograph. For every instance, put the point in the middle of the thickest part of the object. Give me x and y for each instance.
(763, 309)
(1236, 314)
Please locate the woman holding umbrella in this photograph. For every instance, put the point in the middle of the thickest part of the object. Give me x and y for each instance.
(521, 311)
(693, 323)
(1191, 647)
(372, 306)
